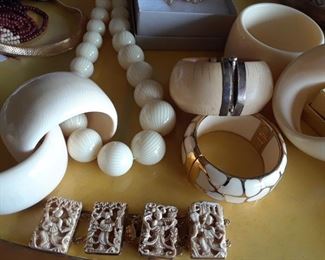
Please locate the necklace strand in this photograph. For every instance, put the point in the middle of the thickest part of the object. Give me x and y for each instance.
(157, 117)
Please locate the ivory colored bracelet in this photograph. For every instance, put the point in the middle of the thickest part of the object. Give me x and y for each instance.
(201, 86)
(298, 84)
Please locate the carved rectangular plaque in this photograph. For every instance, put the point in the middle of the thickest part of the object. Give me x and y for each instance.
(159, 233)
(105, 232)
(207, 231)
(56, 228)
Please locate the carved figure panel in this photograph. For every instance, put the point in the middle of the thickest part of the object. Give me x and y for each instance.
(105, 232)
(57, 225)
(159, 232)
(207, 231)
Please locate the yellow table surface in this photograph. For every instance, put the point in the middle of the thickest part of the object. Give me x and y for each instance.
(287, 224)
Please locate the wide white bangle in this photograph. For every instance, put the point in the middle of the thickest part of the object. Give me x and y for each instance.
(35, 110)
(298, 84)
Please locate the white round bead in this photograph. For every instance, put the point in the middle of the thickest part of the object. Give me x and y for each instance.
(84, 144)
(74, 123)
(104, 4)
(147, 91)
(82, 67)
(122, 39)
(88, 51)
(117, 25)
(120, 12)
(94, 38)
(115, 159)
(148, 147)
(138, 72)
(99, 13)
(130, 54)
(158, 115)
(117, 3)
(95, 25)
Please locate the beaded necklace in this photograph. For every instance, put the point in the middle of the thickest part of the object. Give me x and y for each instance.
(16, 26)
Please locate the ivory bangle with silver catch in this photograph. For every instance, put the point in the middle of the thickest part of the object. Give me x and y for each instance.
(263, 136)
(197, 85)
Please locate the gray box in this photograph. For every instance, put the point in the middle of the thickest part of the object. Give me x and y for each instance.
(182, 25)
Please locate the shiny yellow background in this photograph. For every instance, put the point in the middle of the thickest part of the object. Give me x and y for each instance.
(288, 224)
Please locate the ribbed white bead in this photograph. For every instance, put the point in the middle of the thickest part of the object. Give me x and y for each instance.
(94, 38)
(120, 12)
(117, 25)
(158, 115)
(117, 3)
(148, 147)
(104, 4)
(115, 158)
(147, 91)
(122, 39)
(74, 123)
(138, 72)
(95, 25)
(82, 67)
(84, 144)
(99, 13)
(88, 51)
(130, 54)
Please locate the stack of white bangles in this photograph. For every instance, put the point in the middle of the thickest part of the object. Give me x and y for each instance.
(30, 117)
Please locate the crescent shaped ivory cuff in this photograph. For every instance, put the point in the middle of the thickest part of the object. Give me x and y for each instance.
(231, 87)
(35, 110)
(297, 85)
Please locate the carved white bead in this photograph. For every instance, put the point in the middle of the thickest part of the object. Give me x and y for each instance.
(84, 144)
(148, 147)
(117, 3)
(99, 13)
(117, 25)
(147, 91)
(138, 72)
(115, 158)
(74, 123)
(130, 54)
(95, 25)
(104, 4)
(158, 115)
(120, 12)
(94, 38)
(88, 51)
(122, 39)
(82, 67)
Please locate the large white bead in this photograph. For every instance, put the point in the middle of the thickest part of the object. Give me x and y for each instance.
(95, 25)
(82, 67)
(115, 158)
(148, 147)
(122, 39)
(117, 3)
(104, 4)
(84, 144)
(147, 91)
(117, 25)
(130, 54)
(99, 13)
(158, 115)
(138, 72)
(88, 51)
(120, 12)
(74, 123)
(94, 38)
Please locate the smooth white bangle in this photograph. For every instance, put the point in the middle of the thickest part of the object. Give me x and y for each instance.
(301, 80)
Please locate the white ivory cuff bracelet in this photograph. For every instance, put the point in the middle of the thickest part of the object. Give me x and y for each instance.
(263, 136)
(298, 84)
(35, 110)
